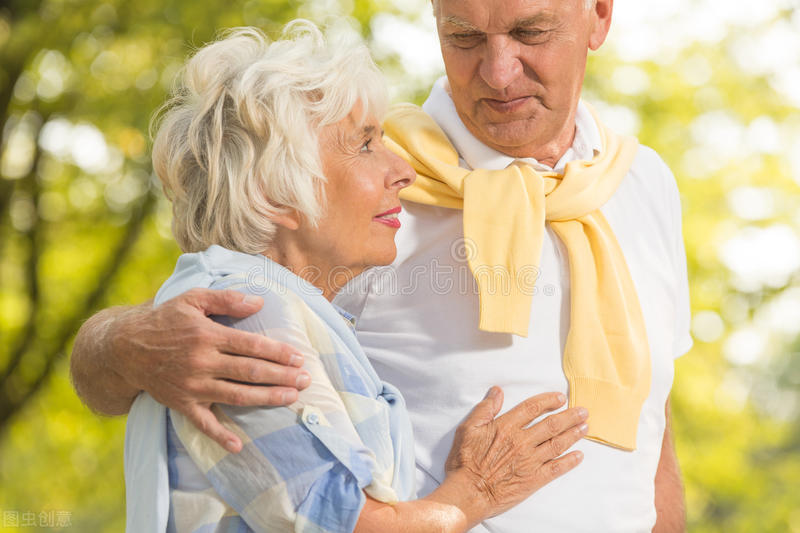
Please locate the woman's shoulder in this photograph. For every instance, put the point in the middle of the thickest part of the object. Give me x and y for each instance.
(282, 307)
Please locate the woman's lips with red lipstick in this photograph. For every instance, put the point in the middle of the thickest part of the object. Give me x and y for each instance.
(389, 217)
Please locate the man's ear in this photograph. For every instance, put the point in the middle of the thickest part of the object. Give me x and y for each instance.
(288, 218)
(601, 22)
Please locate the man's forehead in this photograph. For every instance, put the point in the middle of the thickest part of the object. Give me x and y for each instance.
(499, 15)
(544, 17)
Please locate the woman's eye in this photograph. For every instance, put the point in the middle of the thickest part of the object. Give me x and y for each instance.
(365, 147)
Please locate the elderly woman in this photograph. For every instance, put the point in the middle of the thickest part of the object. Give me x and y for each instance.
(272, 156)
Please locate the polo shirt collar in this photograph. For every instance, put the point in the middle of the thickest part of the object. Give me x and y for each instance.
(475, 154)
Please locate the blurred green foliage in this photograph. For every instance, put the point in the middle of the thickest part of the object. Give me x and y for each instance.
(83, 226)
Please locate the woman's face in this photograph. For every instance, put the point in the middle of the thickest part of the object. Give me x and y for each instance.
(364, 178)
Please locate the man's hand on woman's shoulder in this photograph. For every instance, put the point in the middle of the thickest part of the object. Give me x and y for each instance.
(184, 359)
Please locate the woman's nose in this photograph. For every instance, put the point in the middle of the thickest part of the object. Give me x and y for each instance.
(400, 174)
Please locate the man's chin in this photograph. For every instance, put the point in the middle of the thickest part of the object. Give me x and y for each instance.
(510, 137)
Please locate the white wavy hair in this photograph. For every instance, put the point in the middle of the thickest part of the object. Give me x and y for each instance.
(237, 141)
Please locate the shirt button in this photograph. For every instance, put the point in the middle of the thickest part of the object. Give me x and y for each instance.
(313, 418)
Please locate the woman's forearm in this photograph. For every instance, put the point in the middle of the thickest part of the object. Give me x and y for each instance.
(454, 507)
(494, 464)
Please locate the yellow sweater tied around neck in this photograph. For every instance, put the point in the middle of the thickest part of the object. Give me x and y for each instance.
(606, 357)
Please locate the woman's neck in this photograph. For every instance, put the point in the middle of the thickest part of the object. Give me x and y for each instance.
(315, 269)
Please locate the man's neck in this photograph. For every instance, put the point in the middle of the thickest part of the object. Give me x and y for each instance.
(582, 141)
(549, 154)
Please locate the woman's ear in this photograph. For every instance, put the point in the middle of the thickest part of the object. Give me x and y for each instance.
(289, 219)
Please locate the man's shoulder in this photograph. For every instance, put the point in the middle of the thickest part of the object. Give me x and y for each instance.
(650, 171)
(647, 197)
(648, 160)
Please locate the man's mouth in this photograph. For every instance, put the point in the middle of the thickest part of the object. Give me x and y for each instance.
(506, 106)
(389, 217)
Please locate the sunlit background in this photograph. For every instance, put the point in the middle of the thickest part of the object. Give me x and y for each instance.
(712, 85)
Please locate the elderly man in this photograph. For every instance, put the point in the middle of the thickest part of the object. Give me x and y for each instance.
(539, 252)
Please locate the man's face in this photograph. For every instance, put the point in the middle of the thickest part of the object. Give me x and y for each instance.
(516, 68)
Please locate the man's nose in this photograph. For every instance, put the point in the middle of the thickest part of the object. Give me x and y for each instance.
(500, 64)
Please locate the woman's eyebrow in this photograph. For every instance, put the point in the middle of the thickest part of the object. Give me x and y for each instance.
(366, 131)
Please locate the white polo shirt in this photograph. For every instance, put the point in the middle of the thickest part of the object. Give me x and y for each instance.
(418, 323)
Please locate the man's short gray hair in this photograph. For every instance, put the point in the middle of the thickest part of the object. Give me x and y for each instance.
(587, 5)
(238, 140)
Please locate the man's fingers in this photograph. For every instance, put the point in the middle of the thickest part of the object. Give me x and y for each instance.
(205, 421)
(555, 425)
(255, 345)
(258, 372)
(228, 302)
(527, 411)
(244, 395)
(485, 411)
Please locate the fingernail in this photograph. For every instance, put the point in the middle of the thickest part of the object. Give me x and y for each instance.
(250, 299)
(582, 412)
(561, 398)
(303, 380)
(584, 428)
(295, 360)
(289, 396)
(491, 393)
(231, 446)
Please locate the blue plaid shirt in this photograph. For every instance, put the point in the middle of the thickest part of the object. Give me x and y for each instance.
(305, 467)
